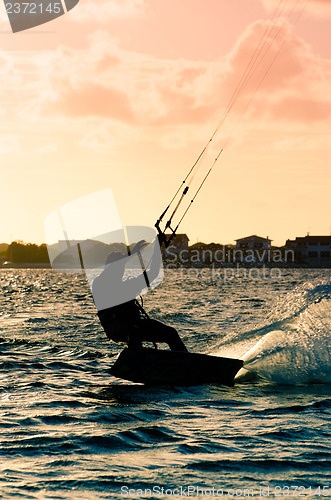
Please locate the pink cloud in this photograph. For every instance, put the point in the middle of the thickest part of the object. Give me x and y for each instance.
(106, 62)
(125, 86)
(302, 110)
(141, 89)
(181, 108)
(290, 82)
(274, 62)
(94, 100)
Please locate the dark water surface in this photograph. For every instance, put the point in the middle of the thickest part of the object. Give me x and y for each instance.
(71, 431)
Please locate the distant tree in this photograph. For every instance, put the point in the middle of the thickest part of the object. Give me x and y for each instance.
(3, 249)
(23, 253)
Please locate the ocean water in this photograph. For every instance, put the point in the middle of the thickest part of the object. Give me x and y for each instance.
(69, 430)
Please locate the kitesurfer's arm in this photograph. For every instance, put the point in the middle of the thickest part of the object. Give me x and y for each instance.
(152, 268)
(156, 262)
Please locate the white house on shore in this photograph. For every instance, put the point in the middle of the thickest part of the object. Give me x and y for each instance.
(252, 249)
(253, 243)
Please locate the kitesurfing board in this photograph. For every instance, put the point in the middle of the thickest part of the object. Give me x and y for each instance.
(161, 367)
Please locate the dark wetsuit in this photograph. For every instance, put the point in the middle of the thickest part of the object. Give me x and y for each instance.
(129, 323)
(122, 318)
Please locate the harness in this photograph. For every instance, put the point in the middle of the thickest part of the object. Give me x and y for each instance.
(105, 314)
(141, 308)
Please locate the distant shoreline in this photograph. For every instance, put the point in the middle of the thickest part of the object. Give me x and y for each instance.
(27, 265)
(166, 266)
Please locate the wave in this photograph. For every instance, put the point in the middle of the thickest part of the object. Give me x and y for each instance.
(298, 350)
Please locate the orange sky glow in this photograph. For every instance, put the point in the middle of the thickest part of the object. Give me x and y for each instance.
(126, 93)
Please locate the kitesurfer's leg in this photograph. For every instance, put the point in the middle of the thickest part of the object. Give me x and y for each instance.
(151, 330)
(121, 332)
(134, 341)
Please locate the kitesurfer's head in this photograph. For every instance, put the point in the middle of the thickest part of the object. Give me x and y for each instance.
(114, 257)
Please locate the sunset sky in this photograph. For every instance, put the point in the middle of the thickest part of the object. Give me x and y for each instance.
(124, 94)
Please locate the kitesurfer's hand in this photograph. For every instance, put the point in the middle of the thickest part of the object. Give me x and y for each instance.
(162, 239)
(139, 246)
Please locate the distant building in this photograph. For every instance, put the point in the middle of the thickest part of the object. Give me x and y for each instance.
(252, 249)
(311, 250)
(178, 243)
(253, 243)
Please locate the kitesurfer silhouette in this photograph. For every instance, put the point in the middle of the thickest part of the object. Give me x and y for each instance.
(126, 321)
